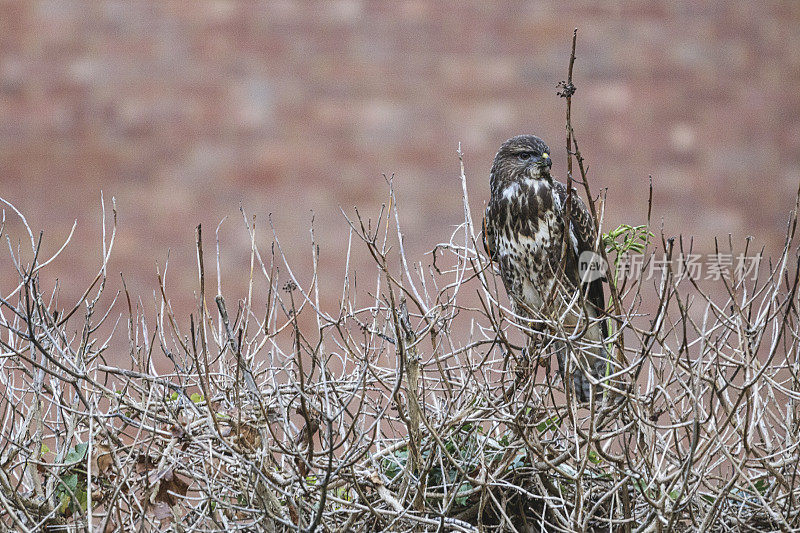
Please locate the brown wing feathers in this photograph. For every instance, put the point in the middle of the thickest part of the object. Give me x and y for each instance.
(585, 235)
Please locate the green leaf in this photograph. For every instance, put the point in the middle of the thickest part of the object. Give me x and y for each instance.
(81, 496)
(550, 423)
(45, 449)
(172, 397)
(462, 500)
(66, 490)
(196, 397)
(63, 499)
(70, 481)
(77, 454)
(519, 462)
(594, 458)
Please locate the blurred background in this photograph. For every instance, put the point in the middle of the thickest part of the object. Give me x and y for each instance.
(184, 110)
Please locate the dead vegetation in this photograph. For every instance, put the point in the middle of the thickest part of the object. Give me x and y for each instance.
(407, 407)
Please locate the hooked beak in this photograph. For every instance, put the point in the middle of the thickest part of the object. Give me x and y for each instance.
(545, 160)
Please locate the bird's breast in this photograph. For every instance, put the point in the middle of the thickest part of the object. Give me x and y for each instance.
(527, 228)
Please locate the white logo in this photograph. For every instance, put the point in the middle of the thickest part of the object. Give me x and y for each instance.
(591, 266)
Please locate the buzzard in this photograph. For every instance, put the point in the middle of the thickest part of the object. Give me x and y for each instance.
(523, 235)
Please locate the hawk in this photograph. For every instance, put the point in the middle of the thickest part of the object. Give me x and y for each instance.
(523, 235)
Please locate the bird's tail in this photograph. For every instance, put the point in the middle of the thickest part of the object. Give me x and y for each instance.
(590, 358)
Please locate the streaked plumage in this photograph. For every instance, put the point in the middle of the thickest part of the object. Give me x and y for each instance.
(523, 231)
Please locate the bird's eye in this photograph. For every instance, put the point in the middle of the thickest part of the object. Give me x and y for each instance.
(525, 155)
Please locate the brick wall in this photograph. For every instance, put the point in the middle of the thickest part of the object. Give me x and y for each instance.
(181, 110)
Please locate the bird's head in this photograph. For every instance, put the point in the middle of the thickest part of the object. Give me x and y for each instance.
(522, 157)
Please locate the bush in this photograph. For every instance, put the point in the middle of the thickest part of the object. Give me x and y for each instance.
(419, 404)
(416, 410)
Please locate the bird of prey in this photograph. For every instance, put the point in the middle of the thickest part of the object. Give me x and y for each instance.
(523, 235)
